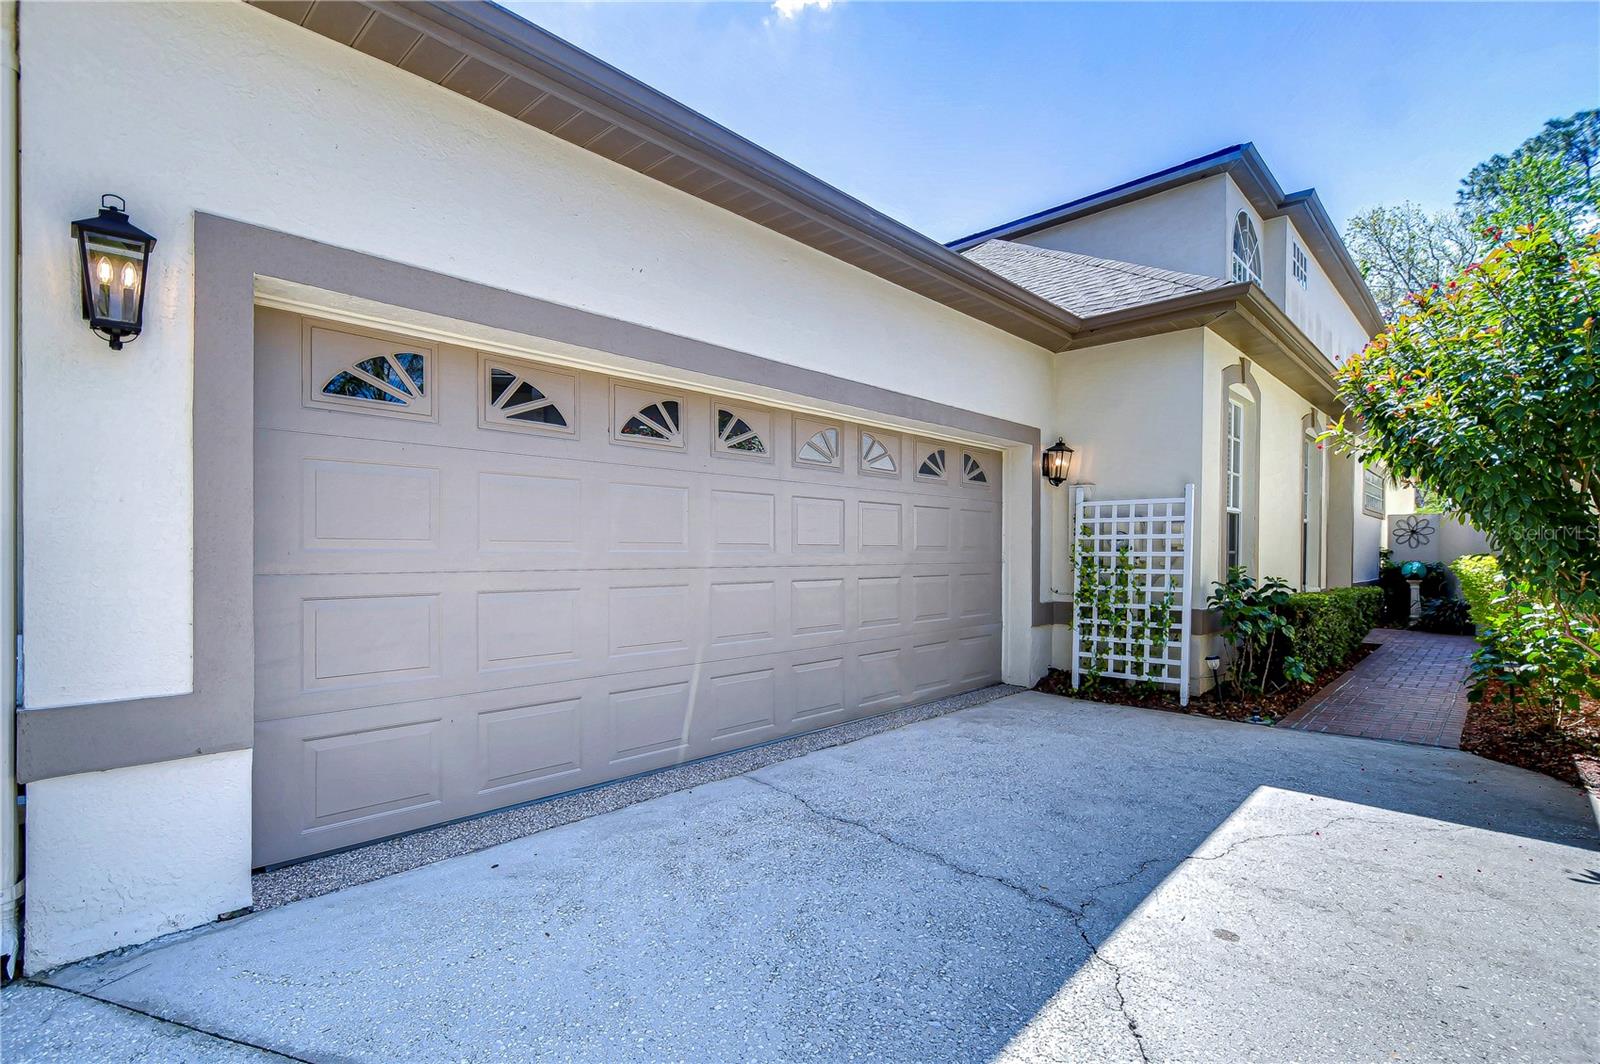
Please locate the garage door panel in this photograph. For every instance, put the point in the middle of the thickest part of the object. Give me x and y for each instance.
(877, 678)
(742, 522)
(530, 513)
(930, 598)
(741, 706)
(881, 528)
(817, 526)
(979, 530)
(880, 603)
(367, 505)
(369, 639)
(817, 695)
(540, 744)
(648, 724)
(457, 611)
(325, 782)
(743, 613)
(930, 531)
(328, 643)
(520, 629)
(931, 668)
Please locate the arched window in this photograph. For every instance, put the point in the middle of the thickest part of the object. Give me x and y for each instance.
(739, 433)
(1246, 250)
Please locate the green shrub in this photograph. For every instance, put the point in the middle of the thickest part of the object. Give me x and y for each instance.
(1529, 656)
(1481, 584)
(1328, 626)
(1446, 616)
(1254, 625)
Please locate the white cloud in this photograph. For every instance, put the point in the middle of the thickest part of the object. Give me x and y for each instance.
(790, 9)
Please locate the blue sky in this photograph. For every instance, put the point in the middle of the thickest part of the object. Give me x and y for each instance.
(955, 116)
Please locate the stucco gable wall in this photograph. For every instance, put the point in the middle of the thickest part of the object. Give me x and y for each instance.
(1318, 308)
(1183, 228)
(225, 109)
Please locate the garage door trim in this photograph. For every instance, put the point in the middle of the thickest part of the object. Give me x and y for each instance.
(218, 714)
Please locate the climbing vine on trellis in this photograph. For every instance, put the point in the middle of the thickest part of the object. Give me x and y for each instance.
(1131, 601)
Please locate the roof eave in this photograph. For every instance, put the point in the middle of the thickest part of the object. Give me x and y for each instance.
(1245, 316)
(535, 77)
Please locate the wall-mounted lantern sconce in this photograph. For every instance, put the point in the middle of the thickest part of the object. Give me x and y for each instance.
(1057, 463)
(113, 255)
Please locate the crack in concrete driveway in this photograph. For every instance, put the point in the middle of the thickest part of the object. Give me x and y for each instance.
(1034, 879)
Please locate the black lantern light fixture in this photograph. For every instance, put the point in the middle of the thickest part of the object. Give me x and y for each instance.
(113, 255)
(1057, 462)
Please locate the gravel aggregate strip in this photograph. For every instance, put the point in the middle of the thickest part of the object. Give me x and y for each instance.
(336, 871)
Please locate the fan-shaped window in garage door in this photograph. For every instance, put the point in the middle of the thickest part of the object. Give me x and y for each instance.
(972, 470)
(524, 397)
(816, 443)
(645, 417)
(742, 433)
(931, 465)
(356, 371)
(877, 454)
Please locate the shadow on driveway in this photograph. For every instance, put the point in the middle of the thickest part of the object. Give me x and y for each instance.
(1033, 878)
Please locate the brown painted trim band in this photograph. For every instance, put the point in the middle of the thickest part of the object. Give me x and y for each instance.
(219, 714)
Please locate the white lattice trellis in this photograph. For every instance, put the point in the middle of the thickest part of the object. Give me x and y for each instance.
(1159, 535)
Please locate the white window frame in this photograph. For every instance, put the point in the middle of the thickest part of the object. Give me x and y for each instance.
(1313, 511)
(1246, 267)
(1374, 481)
(1302, 266)
(1233, 476)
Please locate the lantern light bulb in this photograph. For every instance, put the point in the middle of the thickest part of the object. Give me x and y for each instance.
(128, 276)
(104, 270)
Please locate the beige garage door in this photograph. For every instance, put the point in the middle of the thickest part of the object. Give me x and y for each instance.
(483, 580)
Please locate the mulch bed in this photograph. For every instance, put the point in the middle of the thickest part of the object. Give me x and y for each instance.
(1262, 709)
(1570, 754)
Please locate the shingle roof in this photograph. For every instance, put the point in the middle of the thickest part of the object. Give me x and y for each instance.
(1084, 284)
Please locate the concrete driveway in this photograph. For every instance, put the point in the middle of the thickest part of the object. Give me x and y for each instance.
(1034, 879)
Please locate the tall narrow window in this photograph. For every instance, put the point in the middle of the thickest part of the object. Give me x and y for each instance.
(1311, 510)
(1246, 250)
(1234, 533)
(1302, 270)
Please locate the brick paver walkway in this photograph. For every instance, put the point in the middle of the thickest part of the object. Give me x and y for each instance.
(1411, 689)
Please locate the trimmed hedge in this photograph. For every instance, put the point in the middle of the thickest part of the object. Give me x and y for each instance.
(1330, 625)
(1479, 577)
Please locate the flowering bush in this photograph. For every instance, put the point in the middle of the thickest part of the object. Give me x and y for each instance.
(1486, 393)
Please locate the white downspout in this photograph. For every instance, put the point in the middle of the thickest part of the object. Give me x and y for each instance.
(10, 405)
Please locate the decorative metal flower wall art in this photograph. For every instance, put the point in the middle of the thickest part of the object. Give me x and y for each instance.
(1412, 531)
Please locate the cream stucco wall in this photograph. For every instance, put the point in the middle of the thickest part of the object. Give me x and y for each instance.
(1183, 228)
(1282, 430)
(1132, 410)
(117, 858)
(1318, 308)
(244, 115)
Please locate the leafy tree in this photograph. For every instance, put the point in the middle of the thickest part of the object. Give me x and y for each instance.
(1486, 392)
(1403, 249)
(1573, 144)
